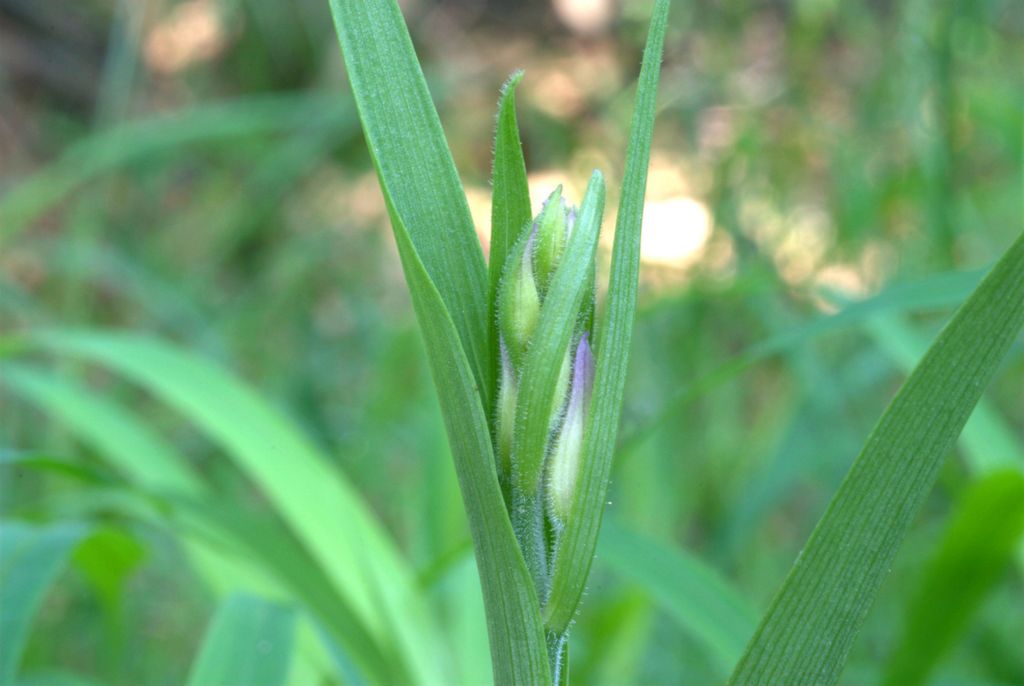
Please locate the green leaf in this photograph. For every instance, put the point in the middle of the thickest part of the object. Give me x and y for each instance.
(578, 541)
(415, 166)
(250, 641)
(546, 354)
(940, 291)
(518, 649)
(54, 677)
(205, 527)
(312, 496)
(807, 633)
(265, 542)
(128, 445)
(31, 557)
(107, 149)
(510, 201)
(703, 604)
(87, 474)
(973, 556)
(987, 442)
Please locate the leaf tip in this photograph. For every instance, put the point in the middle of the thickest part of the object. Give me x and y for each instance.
(511, 82)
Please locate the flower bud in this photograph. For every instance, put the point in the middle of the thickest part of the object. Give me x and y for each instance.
(519, 300)
(507, 398)
(564, 461)
(561, 390)
(553, 226)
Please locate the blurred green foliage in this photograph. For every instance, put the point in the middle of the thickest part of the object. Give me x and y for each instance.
(193, 172)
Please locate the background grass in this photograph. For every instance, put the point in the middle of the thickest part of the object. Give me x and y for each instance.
(194, 172)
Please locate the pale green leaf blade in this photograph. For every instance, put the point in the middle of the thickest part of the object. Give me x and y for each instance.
(31, 557)
(518, 649)
(935, 292)
(415, 166)
(107, 149)
(55, 677)
(807, 633)
(615, 329)
(700, 601)
(312, 496)
(264, 542)
(249, 641)
(569, 286)
(127, 443)
(129, 446)
(987, 442)
(973, 556)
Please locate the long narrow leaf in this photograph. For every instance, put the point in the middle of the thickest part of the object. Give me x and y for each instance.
(518, 651)
(266, 543)
(576, 547)
(129, 445)
(105, 150)
(31, 557)
(987, 442)
(312, 496)
(694, 595)
(936, 292)
(213, 534)
(250, 641)
(807, 633)
(973, 556)
(408, 147)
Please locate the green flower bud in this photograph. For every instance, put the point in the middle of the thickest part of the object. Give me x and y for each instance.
(561, 391)
(507, 398)
(553, 226)
(518, 300)
(564, 461)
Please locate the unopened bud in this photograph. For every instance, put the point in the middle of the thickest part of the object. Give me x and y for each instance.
(507, 398)
(564, 461)
(561, 390)
(519, 300)
(553, 227)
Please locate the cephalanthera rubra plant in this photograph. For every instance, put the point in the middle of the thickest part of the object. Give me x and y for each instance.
(530, 378)
(530, 374)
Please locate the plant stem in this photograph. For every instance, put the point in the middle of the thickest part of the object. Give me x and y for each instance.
(558, 653)
(528, 524)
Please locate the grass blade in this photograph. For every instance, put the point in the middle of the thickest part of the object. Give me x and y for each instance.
(576, 547)
(703, 604)
(55, 677)
(987, 442)
(107, 149)
(128, 445)
(974, 554)
(312, 496)
(250, 641)
(202, 524)
(263, 541)
(31, 557)
(518, 650)
(415, 166)
(807, 633)
(936, 292)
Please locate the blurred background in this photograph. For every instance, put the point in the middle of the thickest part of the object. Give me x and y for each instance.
(193, 171)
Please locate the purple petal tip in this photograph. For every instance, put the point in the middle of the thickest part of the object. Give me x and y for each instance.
(583, 370)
